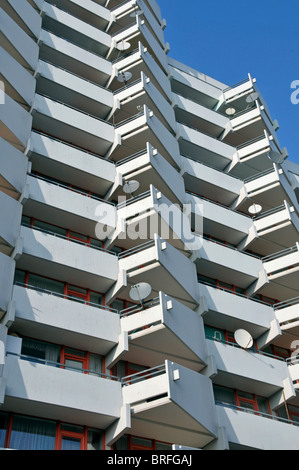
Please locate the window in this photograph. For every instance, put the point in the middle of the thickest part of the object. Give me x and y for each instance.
(3, 427)
(140, 443)
(41, 350)
(77, 293)
(32, 434)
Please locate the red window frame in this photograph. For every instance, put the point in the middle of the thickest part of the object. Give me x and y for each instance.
(60, 433)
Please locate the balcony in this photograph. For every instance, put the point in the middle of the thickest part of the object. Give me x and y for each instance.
(15, 123)
(162, 329)
(61, 319)
(63, 206)
(147, 214)
(172, 403)
(219, 221)
(252, 157)
(24, 15)
(137, 61)
(163, 267)
(194, 115)
(11, 214)
(275, 229)
(89, 11)
(204, 148)
(231, 311)
(218, 261)
(49, 388)
(13, 170)
(72, 90)
(140, 31)
(17, 42)
(134, 95)
(17, 82)
(269, 189)
(72, 125)
(293, 366)
(287, 313)
(45, 253)
(63, 161)
(123, 18)
(248, 125)
(270, 432)
(150, 167)
(194, 85)
(213, 184)
(80, 29)
(85, 64)
(256, 372)
(145, 127)
(7, 270)
(283, 272)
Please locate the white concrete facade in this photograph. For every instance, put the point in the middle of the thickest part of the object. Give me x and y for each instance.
(119, 166)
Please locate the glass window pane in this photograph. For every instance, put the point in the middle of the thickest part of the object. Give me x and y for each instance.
(46, 284)
(142, 442)
(50, 228)
(163, 446)
(3, 428)
(249, 396)
(96, 298)
(95, 364)
(224, 395)
(75, 352)
(70, 443)
(74, 365)
(32, 434)
(41, 350)
(19, 276)
(72, 428)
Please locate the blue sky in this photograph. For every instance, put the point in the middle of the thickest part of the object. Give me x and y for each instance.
(229, 39)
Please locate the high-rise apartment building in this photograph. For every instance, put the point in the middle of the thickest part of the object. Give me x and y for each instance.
(149, 248)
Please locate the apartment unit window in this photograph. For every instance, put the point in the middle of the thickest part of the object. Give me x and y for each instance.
(29, 433)
(242, 399)
(59, 356)
(3, 427)
(63, 289)
(139, 443)
(32, 434)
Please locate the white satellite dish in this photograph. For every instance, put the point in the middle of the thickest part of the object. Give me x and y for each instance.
(131, 186)
(139, 292)
(252, 97)
(230, 111)
(124, 77)
(255, 209)
(243, 339)
(123, 46)
(276, 157)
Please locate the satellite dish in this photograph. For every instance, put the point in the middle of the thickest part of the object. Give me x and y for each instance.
(230, 111)
(131, 186)
(124, 77)
(123, 46)
(276, 157)
(243, 339)
(252, 97)
(139, 292)
(255, 209)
